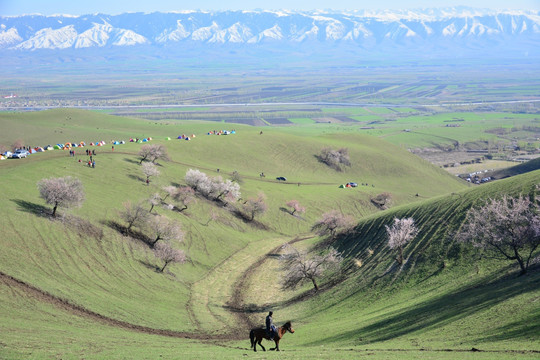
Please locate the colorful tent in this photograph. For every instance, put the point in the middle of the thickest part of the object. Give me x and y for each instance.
(342, 186)
(167, 138)
(49, 147)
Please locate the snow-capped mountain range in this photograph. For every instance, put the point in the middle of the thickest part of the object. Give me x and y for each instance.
(454, 27)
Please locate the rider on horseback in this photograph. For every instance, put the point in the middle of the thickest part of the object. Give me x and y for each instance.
(270, 327)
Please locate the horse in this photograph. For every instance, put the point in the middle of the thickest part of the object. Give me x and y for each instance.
(256, 335)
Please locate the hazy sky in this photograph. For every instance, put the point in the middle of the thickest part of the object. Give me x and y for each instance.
(79, 7)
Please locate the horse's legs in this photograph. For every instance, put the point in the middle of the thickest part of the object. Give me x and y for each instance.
(277, 346)
(261, 345)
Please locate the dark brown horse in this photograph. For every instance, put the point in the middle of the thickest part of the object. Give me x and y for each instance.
(256, 335)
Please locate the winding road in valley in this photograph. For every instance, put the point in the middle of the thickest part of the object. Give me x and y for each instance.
(7, 107)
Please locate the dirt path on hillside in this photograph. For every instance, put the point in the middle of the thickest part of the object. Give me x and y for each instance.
(237, 302)
(44, 297)
(231, 306)
(213, 170)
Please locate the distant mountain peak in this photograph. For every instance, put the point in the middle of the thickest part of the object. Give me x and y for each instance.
(453, 27)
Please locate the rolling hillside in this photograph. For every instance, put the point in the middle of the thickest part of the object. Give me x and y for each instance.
(68, 294)
(444, 299)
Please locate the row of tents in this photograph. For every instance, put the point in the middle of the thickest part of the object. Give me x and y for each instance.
(71, 145)
(221, 132)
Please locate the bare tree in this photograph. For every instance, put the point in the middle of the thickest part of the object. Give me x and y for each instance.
(61, 192)
(255, 206)
(299, 267)
(235, 177)
(149, 169)
(508, 228)
(152, 153)
(167, 254)
(154, 200)
(296, 207)
(335, 158)
(332, 222)
(184, 195)
(399, 234)
(134, 215)
(383, 200)
(169, 191)
(162, 228)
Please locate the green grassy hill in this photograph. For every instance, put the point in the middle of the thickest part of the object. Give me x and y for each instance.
(70, 295)
(522, 168)
(445, 297)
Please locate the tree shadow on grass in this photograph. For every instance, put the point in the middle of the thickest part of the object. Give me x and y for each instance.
(32, 208)
(136, 178)
(150, 266)
(134, 234)
(446, 309)
(285, 210)
(131, 161)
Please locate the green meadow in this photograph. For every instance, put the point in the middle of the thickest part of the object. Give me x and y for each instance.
(68, 294)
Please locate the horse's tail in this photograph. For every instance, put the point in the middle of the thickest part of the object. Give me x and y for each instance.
(252, 337)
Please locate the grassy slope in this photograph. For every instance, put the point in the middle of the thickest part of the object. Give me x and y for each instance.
(468, 303)
(525, 167)
(115, 276)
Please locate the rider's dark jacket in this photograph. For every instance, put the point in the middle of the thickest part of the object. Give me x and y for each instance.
(269, 323)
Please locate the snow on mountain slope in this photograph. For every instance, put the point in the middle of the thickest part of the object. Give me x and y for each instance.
(98, 35)
(454, 26)
(178, 34)
(9, 37)
(51, 39)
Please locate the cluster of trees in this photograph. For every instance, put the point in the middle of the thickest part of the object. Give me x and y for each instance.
(336, 159)
(68, 192)
(182, 197)
(160, 231)
(507, 228)
(215, 188)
